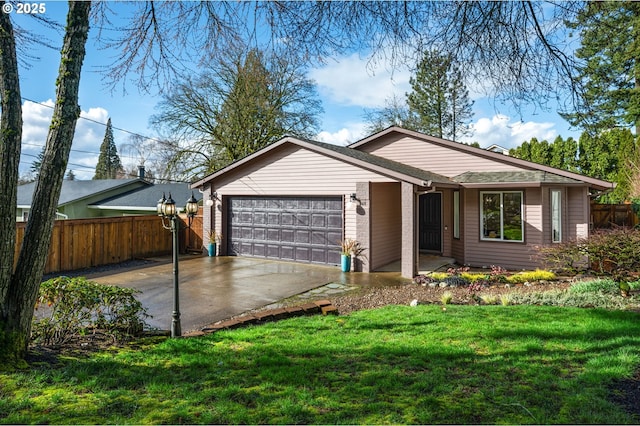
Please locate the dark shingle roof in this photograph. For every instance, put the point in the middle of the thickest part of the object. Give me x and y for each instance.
(148, 196)
(521, 176)
(74, 190)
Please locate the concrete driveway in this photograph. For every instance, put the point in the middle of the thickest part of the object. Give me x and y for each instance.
(216, 288)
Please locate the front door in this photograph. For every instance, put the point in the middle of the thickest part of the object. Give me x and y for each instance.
(430, 222)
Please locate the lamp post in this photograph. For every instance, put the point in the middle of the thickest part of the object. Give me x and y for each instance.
(192, 209)
(166, 209)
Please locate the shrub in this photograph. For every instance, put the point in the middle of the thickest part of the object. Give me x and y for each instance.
(567, 298)
(594, 286)
(446, 298)
(615, 251)
(75, 306)
(473, 277)
(537, 275)
(489, 299)
(456, 281)
(505, 299)
(569, 256)
(439, 276)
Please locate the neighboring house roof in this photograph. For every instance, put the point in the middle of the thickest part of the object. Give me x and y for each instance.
(480, 152)
(520, 178)
(76, 190)
(146, 198)
(359, 158)
(497, 148)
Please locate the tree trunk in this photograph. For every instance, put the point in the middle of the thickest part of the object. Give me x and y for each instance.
(17, 305)
(10, 146)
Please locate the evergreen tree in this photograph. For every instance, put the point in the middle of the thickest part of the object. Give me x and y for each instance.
(70, 175)
(109, 165)
(37, 164)
(609, 74)
(439, 98)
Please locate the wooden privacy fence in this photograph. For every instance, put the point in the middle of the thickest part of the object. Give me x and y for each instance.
(85, 243)
(608, 215)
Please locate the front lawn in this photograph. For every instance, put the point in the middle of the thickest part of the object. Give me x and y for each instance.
(399, 364)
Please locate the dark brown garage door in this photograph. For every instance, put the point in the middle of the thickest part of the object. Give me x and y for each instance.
(301, 229)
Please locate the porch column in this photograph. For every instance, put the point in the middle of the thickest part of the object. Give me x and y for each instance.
(363, 225)
(409, 268)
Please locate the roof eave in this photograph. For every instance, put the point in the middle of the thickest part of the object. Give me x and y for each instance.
(593, 182)
(328, 152)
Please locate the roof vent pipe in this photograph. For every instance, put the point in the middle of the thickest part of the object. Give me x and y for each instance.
(141, 172)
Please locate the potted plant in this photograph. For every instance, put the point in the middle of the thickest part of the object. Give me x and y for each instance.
(350, 249)
(214, 237)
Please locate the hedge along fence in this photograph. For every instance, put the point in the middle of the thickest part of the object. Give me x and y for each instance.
(85, 243)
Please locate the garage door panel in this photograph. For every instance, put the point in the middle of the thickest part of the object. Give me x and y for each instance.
(304, 229)
(303, 254)
(287, 236)
(273, 251)
(318, 220)
(273, 234)
(303, 237)
(259, 234)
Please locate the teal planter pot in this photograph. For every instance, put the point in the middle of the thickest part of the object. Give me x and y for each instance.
(212, 249)
(345, 262)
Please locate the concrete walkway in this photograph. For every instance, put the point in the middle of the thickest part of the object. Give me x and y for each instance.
(216, 288)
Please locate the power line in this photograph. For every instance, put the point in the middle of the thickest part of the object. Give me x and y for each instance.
(98, 122)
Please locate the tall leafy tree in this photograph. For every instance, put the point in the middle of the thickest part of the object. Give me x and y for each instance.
(605, 156)
(236, 108)
(439, 98)
(609, 73)
(109, 165)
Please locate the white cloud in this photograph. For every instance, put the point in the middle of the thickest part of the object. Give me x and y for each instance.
(86, 142)
(502, 131)
(351, 81)
(343, 136)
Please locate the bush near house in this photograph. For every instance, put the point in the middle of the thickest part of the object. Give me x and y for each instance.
(614, 252)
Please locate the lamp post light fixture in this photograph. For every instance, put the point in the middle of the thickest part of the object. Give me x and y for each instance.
(191, 208)
(166, 209)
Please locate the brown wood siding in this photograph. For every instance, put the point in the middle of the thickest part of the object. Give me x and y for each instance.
(432, 157)
(386, 228)
(509, 255)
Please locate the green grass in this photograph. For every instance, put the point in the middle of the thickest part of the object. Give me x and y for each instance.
(468, 364)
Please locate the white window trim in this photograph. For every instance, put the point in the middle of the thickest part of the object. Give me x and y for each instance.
(501, 239)
(559, 218)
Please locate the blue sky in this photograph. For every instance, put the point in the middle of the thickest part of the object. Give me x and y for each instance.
(348, 86)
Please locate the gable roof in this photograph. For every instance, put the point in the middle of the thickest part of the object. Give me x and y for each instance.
(75, 190)
(480, 152)
(355, 157)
